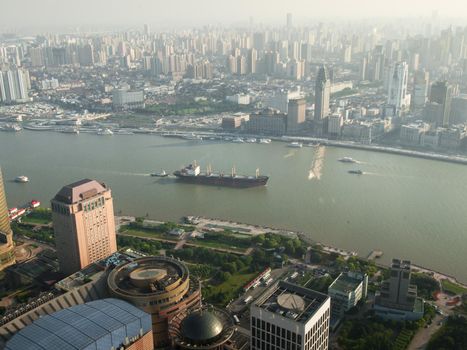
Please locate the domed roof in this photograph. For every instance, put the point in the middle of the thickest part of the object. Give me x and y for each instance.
(201, 326)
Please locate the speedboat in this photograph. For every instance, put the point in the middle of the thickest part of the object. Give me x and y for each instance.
(295, 145)
(21, 179)
(347, 160)
(161, 174)
(356, 172)
(105, 132)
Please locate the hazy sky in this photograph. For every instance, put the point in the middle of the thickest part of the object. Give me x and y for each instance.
(56, 13)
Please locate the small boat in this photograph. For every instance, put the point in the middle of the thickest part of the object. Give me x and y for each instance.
(356, 172)
(251, 140)
(21, 179)
(161, 174)
(124, 132)
(295, 145)
(69, 130)
(105, 132)
(265, 141)
(192, 137)
(238, 140)
(11, 127)
(347, 160)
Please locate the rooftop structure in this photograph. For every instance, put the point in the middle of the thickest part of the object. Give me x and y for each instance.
(100, 324)
(294, 316)
(158, 285)
(203, 328)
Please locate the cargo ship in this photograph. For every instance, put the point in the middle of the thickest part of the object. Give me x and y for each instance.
(192, 174)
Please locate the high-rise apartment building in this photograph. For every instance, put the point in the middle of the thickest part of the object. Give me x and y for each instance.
(288, 316)
(14, 85)
(289, 21)
(322, 94)
(7, 247)
(84, 225)
(441, 93)
(397, 86)
(420, 89)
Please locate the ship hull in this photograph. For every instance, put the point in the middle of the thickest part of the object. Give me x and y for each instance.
(225, 181)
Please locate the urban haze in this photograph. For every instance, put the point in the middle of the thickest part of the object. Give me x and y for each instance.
(240, 175)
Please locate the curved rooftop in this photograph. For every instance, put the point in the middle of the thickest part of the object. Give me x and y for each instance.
(201, 326)
(98, 324)
(147, 276)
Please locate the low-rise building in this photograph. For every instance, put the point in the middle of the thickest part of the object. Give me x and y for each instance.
(411, 133)
(268, 121)
(127, 99)
(234, 122)
(345, 292)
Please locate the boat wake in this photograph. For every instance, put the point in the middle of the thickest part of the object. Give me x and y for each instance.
(290, 154)
(316, 168)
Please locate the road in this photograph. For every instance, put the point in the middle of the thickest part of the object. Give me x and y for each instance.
(421, 339)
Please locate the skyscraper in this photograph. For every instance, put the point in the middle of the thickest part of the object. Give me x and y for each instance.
(322, 94)
(84, 226)
(397, 87)
(7, 247)
(441, 93)
(420, 89)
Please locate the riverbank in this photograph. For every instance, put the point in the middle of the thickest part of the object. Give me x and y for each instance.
(203, 223)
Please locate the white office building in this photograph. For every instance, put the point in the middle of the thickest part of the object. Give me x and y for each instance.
(128, 99)
(288, 316)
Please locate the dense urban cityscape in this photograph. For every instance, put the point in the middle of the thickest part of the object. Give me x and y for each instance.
(88, 262)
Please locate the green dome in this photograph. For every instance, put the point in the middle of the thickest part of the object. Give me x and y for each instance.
(201, 326)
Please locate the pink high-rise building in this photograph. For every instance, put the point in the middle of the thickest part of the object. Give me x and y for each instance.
(84, 225)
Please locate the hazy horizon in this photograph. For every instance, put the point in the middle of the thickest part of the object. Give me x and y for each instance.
(55, 13)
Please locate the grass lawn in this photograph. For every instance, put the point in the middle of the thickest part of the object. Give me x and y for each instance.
(30, 219)
(147, 234)
(453, 288)
(235, 282)
(209, 244)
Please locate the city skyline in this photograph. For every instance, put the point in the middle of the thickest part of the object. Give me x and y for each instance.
(52, 14)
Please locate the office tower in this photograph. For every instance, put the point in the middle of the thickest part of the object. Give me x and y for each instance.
(7, 247)
(84, 225)
(362, 72)
(347, 54)
(206, 328)
(397, 87)
(322, 94)
(420, 89)
(100, 324)
(288, 316)
(296, 114)
(441, 93)
(398, 298)
(289, 21)
(14, 85)
(459, 110)
(160, 286)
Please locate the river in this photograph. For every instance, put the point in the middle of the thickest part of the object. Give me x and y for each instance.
(407, 207)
